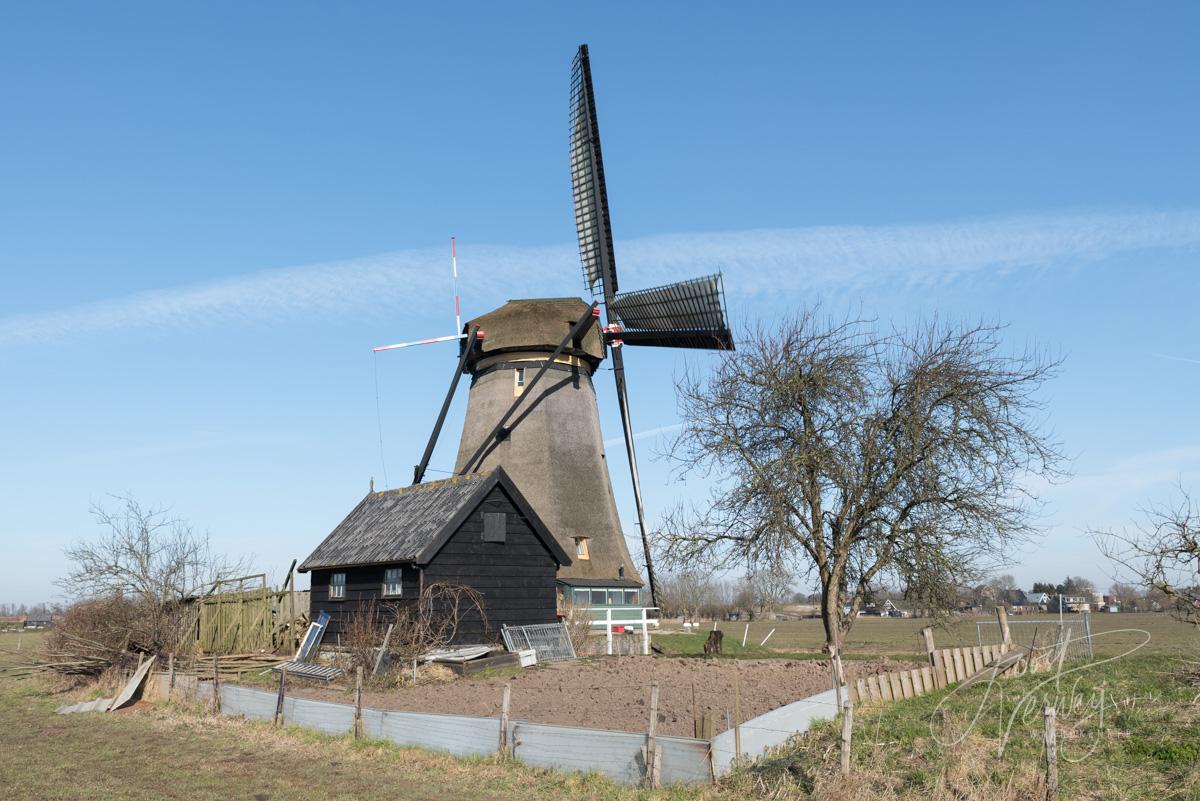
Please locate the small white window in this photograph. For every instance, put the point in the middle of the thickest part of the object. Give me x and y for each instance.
(520, 377)
(581, 548)
(393, 586)
(337, 586)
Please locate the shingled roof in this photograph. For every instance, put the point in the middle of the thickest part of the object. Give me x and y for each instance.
(413, 523)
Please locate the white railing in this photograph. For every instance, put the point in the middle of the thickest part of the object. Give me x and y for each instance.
(639, 618)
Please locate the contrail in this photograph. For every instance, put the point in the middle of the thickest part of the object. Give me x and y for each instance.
(1176, 358)
(756, 262)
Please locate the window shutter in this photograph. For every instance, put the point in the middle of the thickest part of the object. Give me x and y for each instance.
(495, 526)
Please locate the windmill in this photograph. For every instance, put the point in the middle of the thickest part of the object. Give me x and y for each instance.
(532, 406)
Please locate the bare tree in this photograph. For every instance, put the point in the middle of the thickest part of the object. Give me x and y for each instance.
(147, 553)
(686, 592)
(859, 455)
(1162, 554)
(149, 559)
(433, 620)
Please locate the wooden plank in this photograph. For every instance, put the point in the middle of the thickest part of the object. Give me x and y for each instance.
(897, 687)
(918, 682)
(960, 668)
(930, 680)
(906, 684)
(873, 688)
(860, 690)
(977, 655)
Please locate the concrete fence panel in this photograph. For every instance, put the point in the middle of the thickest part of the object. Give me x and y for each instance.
(771, 730)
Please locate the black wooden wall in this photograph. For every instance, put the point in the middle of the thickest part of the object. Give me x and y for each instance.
(516, 577)
(362, 584)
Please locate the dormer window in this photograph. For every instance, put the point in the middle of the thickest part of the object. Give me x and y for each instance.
(581, 548)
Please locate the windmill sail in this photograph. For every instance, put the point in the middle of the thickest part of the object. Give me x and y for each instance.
(687, 314)
(587, 181)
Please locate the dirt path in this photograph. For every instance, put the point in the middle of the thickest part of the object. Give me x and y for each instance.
(613, 693)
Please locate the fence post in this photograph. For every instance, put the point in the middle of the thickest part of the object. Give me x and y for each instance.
(935, 661)
(505, 700)
(1051, 738)
(833, 669)
(1087, 624)
(847, 728)
(608, 628)
(216, 705)
(358, 722)
(745, 634)
(279, 699)
(737, 719)
(653, 770)
(170, 674)
(764, 642)
(1002, 616)
(645, 634)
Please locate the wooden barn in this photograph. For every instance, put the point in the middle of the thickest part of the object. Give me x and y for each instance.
(476, 529)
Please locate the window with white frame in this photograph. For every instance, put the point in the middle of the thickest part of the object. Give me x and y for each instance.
(393, 586)
(518, 381)
(337, 586)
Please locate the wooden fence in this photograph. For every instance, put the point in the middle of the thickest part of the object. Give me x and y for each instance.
(952, 665)
(247, 619)
(949, 666)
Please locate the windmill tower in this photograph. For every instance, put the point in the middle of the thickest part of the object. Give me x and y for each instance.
(532, 406)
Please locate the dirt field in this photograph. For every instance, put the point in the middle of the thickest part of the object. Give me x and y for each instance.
(613, 693)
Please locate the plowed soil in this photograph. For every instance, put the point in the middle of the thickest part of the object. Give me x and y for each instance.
(614, 692)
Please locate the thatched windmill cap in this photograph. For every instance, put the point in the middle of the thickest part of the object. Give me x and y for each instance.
(538, 324)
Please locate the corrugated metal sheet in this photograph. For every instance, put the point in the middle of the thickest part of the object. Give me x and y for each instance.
(457, 734)
(773, 729)
(619, 755)
(613, 753)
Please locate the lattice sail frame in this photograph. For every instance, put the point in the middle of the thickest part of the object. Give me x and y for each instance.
(592, 223)
(686, 314)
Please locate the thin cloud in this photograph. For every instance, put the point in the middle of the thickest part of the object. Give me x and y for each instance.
(613, 442)
(1176, 358)
(757, 262)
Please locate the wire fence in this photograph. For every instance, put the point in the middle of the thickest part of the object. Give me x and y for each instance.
(1069, 637)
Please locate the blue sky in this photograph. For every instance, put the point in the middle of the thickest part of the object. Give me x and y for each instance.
(208, 214)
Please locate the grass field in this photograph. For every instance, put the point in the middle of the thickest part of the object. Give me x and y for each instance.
(899, 637)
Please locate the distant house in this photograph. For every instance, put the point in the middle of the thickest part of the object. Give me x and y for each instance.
(476, 530)
(1041, 599)
(37, 621)
(1015, 600)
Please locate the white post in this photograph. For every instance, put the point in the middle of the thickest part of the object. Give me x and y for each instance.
(608, 628)
(645, 634)
(745, 634)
